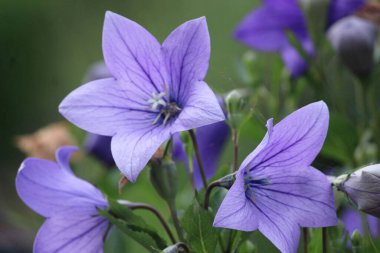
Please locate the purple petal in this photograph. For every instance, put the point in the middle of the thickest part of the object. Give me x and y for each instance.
(352, 221)
(74, 230)
(178, 151)
(47, 188)
(201, 108)
(236, 211)
(100, 147)
(342, 8)
(294, 141)
(63, 155)
(211, 141)
(187, 55)
(133, 55)
(132, 150)
(301, 194)
(105, 105)
(294, 61)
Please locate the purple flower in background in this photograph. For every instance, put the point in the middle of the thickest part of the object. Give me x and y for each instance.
(99, 145)
(68, 203)
(352, 221)
(265, 29)
(277, 190)
(156, 90)
(341, 8)
(211, 141)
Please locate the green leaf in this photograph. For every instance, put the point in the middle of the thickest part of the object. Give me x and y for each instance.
(200, 234)
(133, 226)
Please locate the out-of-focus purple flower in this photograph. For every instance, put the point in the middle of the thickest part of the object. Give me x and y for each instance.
(99, 145)
(211, 141)
(68, 203)
(265, 29)
(156, 90)
(354, 39)
(352, 221)
(363, 188)
(341, 8)
(277, 190)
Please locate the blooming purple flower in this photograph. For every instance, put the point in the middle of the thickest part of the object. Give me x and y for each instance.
(156, 90)
(277, 190)
(352, 221)
(211, 141)
(265, 29)
(68, 203)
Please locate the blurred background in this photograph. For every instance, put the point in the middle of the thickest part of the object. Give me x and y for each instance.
(46, 48)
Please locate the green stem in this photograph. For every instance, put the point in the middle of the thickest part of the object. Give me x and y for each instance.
(134, 206)
(167, 147)
(173, 213)
(198, 156)
(208, 193)
(324, 240)
(305, 239)
(235, 142)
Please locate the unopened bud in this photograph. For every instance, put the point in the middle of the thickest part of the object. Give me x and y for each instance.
(236, 102)
(363, 188)
(354, 40)
(356, 238)
(164, 177)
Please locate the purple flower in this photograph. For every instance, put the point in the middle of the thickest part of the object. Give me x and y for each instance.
(341, 8)
(211, 141)
(156, 90)
(100, 147)
(68, 203)
(277, 190)
(265, 29)
(352, 221)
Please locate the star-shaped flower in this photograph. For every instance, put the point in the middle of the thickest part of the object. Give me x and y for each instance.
(156, 90)
(69, 204)
(277, 190)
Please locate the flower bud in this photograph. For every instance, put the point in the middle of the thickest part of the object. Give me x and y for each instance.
(164, 177)
(236, 102)
(363, 188)
(356, 238)
(354, 40)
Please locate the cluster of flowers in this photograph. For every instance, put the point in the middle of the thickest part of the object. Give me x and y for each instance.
(152, 93)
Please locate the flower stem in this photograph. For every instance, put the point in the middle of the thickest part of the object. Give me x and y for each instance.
(324, 240)
(173, 213)
(198, 156)
(305, 240)
(235, 142)
(208, 193)
(153, 210)
(167, 147)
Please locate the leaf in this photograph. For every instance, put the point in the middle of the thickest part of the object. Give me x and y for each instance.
(133, 226)
(200, 234)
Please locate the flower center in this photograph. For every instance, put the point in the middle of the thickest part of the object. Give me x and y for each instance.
(165, 108)
(251, 184)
